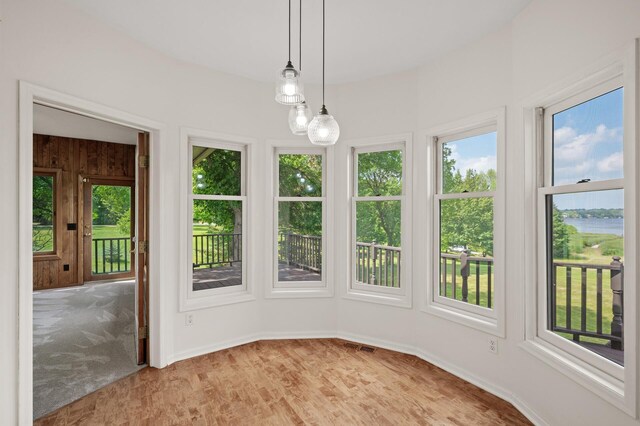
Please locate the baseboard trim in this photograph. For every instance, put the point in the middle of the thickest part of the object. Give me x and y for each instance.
(226, 344)
(384, 344)
(450, 368)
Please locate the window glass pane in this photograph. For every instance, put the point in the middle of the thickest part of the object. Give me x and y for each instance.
(380, 173)
(300, 241)
(43, 214)
(216, 171)
(587, 140)
(469, 164)
(466, 250)
(585, 267)
(111, 229)
(378, 243)
(300, 175)
(217, 244)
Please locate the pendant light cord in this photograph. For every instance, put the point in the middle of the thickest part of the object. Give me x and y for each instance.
(289, 30)
(323, 53)
(300, 39)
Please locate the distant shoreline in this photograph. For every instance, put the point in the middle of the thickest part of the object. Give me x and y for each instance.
(612, 226)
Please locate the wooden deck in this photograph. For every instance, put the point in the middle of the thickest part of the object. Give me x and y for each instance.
(227, 276)
(614, 355)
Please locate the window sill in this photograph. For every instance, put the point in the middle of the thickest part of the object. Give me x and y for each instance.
(204, 302)
(604, 385)
(485, 324)
(298, 292)
(381, 298)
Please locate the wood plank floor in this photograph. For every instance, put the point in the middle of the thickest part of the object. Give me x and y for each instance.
(319, 381)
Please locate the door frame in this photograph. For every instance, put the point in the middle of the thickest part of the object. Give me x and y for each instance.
(84, 270)
(159, 322)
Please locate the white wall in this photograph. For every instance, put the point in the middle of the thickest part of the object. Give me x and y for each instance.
(547, 42)
(53, 45)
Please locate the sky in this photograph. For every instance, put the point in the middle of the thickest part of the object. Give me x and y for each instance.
(477, 153)
(587, 144)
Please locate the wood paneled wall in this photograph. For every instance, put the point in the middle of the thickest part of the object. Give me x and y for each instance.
(73, 159)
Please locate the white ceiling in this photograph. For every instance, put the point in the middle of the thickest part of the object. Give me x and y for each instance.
(55, 122)
(365, 38)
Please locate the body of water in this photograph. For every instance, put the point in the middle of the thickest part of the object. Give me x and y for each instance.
(597, 226)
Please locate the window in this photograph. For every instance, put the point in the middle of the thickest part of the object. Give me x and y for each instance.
(300, 212)
(467, 176)
(580, 233)
(378, 206)
(468, 224)
(218, 215)
(582, 224)
(44, 212)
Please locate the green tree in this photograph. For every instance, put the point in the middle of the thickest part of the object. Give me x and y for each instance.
(379, 174)
(300, 175)
(110, 203)
(43, 213)
(218, 172)
(468, 222)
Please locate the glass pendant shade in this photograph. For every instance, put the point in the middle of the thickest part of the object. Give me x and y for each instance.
(323, 129)
(289, 86)
(299, 118)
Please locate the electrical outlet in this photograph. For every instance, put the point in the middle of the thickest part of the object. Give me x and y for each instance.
(188, 320)
(493, 344)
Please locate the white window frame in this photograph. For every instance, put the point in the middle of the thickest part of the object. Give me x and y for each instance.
(547, 188)
(613, 383)
(300, 289)
(402, 296)
(190, 299)
(488, 320)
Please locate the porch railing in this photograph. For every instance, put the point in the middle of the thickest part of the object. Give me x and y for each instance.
(216, 249)
(459, 271)
(462, 277)
(111, 255)
(301, 251)
(378, 264)
(564, 275)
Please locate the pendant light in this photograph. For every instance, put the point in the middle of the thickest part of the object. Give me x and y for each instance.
(288, 84)
(299, 115)
(323, 129)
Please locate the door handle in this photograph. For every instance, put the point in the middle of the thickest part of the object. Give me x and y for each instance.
(87, 234)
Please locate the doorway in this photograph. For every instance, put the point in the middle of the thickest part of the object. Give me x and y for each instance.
(89, 239)
(108, 228)
(30, 96)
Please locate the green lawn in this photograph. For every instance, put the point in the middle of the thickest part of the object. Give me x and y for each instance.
(482, 273)
(108, 257)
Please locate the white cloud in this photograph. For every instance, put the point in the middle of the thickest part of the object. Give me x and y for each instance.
(570, 147)
(564, 135)
(479, 164)
(573, 170)
(571, 173)
(611, 163)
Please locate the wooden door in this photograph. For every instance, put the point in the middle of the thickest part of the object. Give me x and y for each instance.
(108, 210)
(142, 247)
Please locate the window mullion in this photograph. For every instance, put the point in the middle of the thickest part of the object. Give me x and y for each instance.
(602, 185)
(465, 195)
